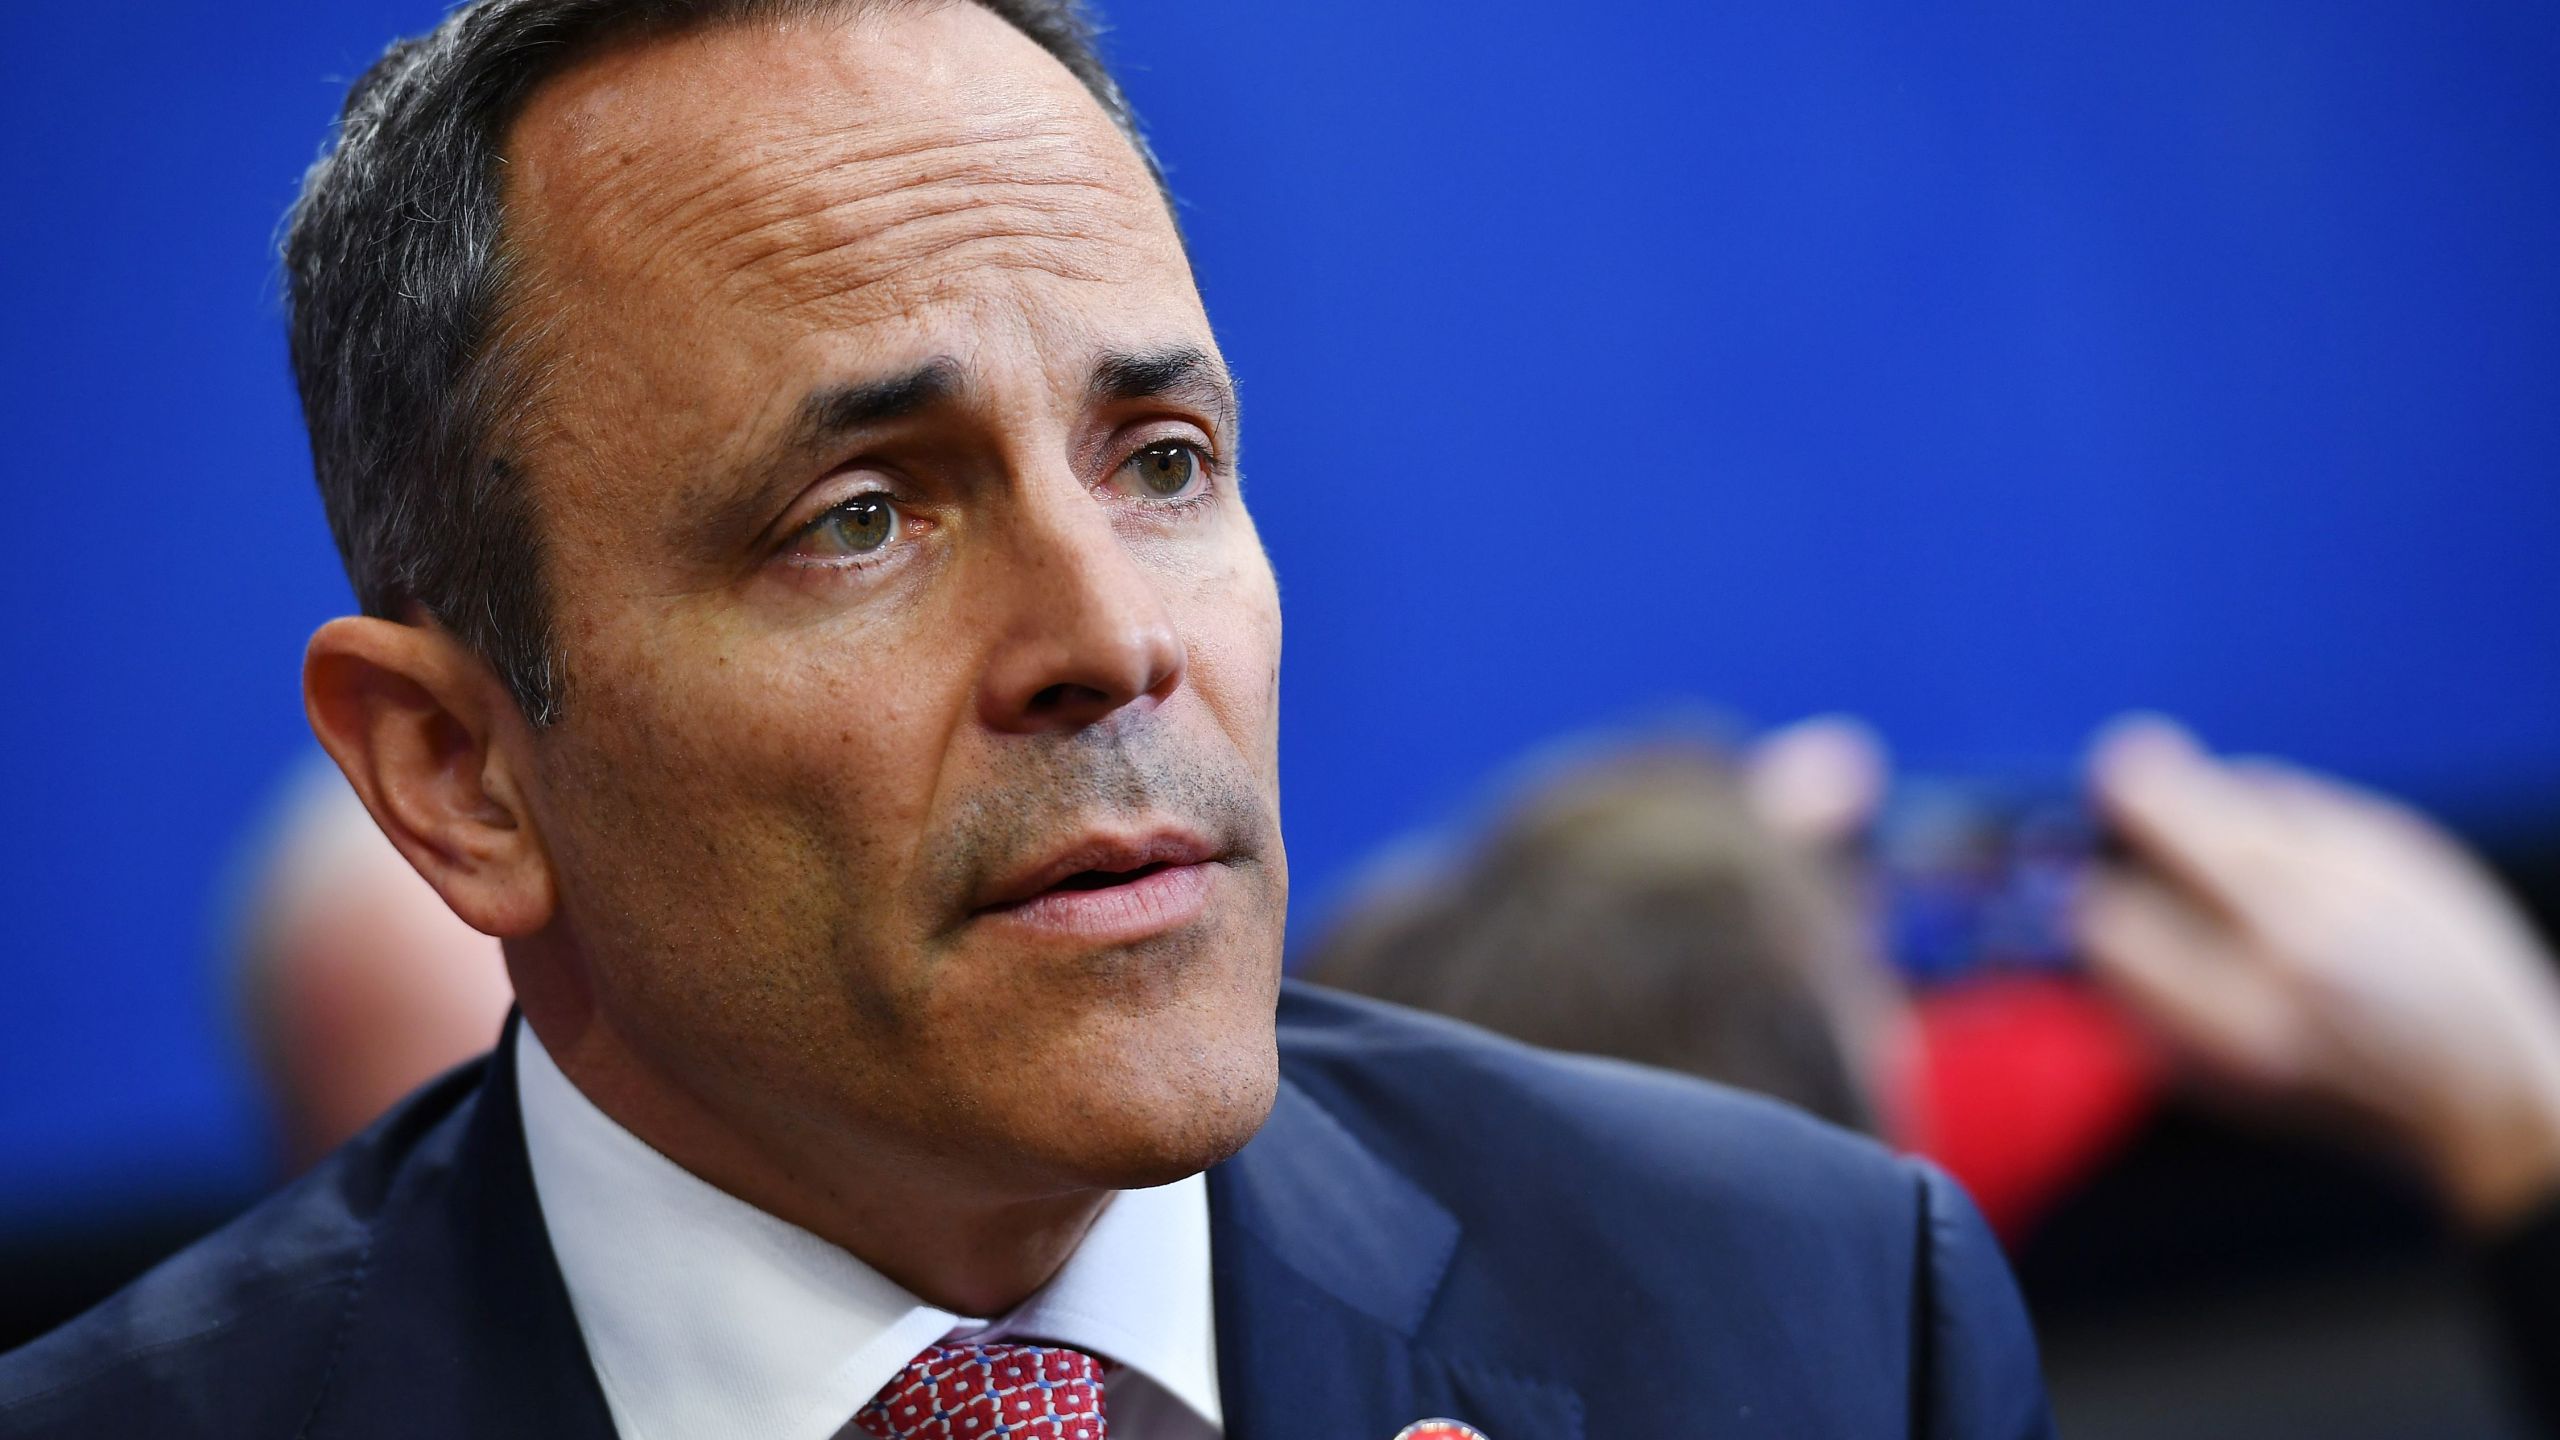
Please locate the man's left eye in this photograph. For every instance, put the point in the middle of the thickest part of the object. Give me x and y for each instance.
(1168, 470)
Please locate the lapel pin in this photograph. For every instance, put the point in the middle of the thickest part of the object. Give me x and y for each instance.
(1439, 1430)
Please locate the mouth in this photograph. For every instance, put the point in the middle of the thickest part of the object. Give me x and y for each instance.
(1108, 888)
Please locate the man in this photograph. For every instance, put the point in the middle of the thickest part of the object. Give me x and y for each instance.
(811, 619)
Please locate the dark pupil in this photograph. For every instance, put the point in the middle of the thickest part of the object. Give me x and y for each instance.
(1167, 469)
(863, 523)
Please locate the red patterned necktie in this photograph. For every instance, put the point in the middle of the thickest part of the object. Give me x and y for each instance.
(990, 1392)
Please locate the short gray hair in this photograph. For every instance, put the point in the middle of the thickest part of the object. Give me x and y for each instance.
(413, 374)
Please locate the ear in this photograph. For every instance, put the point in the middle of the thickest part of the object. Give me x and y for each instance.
(437, 750)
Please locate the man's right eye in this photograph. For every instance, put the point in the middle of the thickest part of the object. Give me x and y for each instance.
(862, 525)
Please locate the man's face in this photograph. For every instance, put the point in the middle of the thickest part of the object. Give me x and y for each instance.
(916, 785)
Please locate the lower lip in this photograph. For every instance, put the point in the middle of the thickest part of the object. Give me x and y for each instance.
(1162, 900)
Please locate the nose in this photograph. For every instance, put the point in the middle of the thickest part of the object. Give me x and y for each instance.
(1087, 633)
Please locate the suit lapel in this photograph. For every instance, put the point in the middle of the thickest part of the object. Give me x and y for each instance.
(482, 1342)
(1327, 1261)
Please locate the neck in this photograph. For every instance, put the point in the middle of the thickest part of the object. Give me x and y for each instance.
(948, 1242)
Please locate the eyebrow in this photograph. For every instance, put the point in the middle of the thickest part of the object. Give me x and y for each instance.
(1176, 372)
(840, 410)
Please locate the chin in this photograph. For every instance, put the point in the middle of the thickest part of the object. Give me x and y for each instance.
(1185, 1133)
(1155, 1097)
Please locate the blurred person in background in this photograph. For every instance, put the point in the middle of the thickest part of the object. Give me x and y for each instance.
(1681, 904)
(1635, 903)
(2315, 954)
(2322, 955)
(350, 985)
(355, 984)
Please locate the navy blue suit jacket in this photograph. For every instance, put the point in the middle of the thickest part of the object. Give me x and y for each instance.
(1435, 1222)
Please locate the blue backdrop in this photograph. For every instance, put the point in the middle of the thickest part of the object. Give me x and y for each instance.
(1981, 370)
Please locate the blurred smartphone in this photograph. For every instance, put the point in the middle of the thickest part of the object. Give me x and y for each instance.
(1976, 876)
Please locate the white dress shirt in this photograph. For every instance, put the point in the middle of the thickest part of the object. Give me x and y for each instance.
(708, 1319)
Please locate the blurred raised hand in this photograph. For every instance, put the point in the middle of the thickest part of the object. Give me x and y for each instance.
(2312, 942)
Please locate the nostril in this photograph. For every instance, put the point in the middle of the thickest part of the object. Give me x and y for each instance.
(1063, 698)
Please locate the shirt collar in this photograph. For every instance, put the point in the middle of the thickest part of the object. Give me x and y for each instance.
(705, 1316)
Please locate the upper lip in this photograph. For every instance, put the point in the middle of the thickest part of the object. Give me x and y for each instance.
(1099, 850)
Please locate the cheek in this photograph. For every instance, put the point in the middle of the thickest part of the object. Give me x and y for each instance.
(797, 779)
(1230, 623)
(838, 750)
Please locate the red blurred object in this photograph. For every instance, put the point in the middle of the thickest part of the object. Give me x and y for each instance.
(2020, 1086)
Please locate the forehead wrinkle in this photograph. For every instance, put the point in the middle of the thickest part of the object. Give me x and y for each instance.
(1037, 202)
(931, 252)
(770, 175)
(731, 193)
